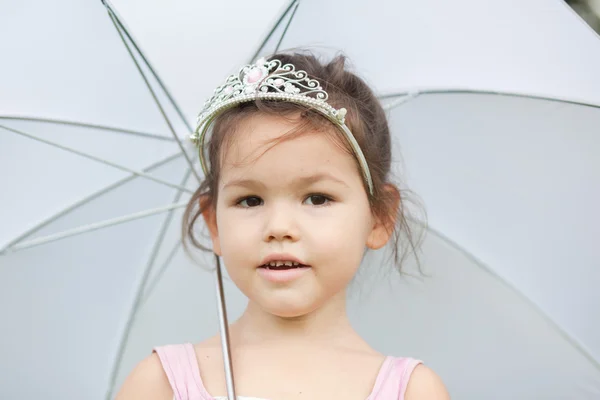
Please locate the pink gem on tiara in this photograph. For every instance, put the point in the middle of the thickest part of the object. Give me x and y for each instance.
(278, 82)
(254, 75)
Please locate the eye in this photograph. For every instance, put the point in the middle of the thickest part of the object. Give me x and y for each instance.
(250, 201)
(317, 200)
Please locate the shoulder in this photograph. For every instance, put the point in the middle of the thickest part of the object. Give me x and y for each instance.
(424, 384)
(147, 381)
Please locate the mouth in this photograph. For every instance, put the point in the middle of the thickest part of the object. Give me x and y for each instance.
(283, 265)
(282, 271)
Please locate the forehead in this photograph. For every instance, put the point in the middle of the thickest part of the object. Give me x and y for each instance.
(271, 145)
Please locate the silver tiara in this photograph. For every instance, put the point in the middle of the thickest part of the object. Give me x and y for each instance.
(272, 80)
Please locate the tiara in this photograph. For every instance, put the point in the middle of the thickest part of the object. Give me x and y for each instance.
(273, 80)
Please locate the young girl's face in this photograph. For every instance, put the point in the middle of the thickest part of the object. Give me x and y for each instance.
(303, 201)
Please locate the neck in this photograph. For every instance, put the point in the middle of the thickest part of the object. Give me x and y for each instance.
(328, 322)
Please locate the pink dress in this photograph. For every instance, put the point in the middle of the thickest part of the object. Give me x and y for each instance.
(181, 367)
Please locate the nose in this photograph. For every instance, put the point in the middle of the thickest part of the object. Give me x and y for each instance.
(280, 224)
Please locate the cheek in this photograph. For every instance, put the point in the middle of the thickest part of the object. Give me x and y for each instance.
(237, 237)
(348, 221)
(341, 237)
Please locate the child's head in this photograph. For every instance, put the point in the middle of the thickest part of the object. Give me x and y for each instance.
(284, 184)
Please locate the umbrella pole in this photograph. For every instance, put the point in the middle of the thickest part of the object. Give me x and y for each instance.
(224, 330)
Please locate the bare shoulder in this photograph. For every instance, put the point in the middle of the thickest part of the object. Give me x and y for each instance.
(147, 381)
(424, 384)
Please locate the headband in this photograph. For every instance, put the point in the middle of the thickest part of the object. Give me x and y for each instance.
(272, 80)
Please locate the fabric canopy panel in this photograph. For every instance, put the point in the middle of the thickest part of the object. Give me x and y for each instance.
(193, 45)
(539, 48)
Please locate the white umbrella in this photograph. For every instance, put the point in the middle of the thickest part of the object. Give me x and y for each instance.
(509, 184)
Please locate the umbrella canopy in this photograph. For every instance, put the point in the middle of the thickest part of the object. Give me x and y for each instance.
(509, 183)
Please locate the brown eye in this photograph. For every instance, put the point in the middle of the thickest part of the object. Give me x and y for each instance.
(317, 200)
(251, 201)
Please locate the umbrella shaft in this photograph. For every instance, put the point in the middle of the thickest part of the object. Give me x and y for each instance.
(224, 330)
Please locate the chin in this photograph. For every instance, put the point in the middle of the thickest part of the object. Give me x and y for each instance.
(288, 313)
(288, 309)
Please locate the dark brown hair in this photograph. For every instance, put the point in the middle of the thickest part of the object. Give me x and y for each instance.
(367, 121)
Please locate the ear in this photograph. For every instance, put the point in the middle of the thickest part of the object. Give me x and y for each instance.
(383, 227)
(209, 213)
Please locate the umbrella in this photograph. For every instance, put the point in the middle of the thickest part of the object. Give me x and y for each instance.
(506, 168)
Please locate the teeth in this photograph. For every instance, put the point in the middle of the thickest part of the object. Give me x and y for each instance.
(282, 263)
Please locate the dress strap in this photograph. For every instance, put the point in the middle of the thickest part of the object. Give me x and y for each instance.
(393, 379)
(181, 367)
(404, 368)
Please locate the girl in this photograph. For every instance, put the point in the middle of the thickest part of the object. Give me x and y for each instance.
(296, 190)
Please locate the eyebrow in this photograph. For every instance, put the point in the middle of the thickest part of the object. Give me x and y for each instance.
(304, 180)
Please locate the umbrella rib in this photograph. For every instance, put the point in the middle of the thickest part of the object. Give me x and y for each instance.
(404, 97)
(114, 20)
(275, 26)
(150, 288)
(145, 59)
(287, 26)
(98, 159)
(139, 291)
(85, 200)
(86, 125)
(407, 96)
(400, 100)
(562, 332)
(161, 271)
(92, 227)
(420, 92)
